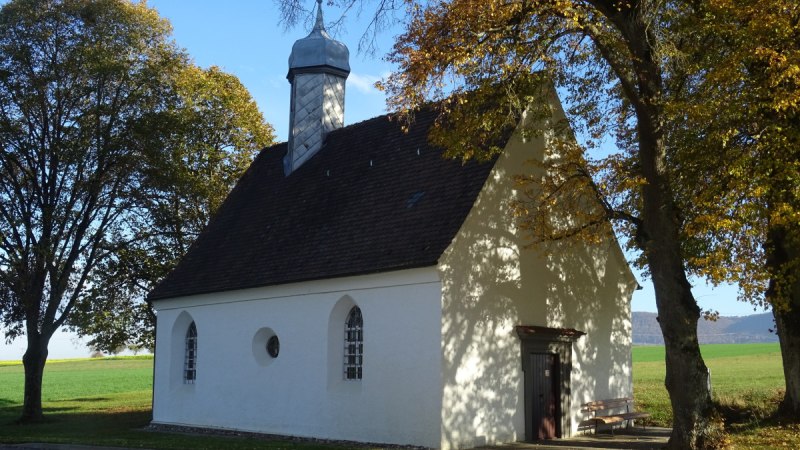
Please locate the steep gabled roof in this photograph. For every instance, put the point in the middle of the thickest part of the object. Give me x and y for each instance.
(373, 199)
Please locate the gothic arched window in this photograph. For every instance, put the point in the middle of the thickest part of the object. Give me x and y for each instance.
(353, 344)
(190, 356)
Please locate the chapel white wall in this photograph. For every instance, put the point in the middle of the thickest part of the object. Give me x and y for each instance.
(302, 391)
(491, 282)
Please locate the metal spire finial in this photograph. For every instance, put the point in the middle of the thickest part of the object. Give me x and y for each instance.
(320, 25)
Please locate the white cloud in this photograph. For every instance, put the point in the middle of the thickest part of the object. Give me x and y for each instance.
(364, 83)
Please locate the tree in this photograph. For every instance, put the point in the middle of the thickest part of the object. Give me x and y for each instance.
(207, 138)
(617, 61)
(75, 76)
(88, 98)
(736, 127)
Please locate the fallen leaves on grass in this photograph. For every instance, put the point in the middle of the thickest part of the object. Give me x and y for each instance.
(778, 435)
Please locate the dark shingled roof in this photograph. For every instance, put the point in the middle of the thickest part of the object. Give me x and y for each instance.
(373, 199)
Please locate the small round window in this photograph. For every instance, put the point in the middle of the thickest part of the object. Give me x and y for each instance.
(273, 346)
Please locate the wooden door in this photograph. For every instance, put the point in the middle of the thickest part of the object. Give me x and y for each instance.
(545, 395)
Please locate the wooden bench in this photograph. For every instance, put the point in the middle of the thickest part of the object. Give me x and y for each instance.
(611, 412)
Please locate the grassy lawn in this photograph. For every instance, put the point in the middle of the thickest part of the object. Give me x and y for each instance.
(101, 402)
(747, 383)
(107, 401)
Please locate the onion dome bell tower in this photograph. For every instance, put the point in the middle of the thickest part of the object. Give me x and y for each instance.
(318, 68)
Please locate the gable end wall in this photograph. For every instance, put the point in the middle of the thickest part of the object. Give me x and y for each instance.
(491, 283)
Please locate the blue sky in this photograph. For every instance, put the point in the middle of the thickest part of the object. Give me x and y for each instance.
(246, 38)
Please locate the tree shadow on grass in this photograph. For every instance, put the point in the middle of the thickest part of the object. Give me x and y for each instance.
(128, 429)
(8, 410)
(67, 426)
(750, 411)
(628, 438)
(81, 400)
(50, 410)
(11, 410)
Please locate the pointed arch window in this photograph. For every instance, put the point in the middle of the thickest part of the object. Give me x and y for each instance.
(353, 344)
(190, 356)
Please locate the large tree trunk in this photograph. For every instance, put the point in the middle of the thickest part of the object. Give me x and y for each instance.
(694, 425)
(34, 361)
(783, 261)
(788, 327)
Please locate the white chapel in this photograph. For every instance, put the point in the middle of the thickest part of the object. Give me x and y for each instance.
(355, 285)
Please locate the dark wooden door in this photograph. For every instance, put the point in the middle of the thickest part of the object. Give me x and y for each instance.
(545, 395)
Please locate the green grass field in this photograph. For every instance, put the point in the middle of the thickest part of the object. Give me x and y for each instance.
(741, 371)
(100, 402)
(747, 383)
(107, 401)
(89, 378)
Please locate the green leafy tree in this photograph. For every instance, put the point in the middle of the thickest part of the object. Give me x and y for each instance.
(207, 139)
(96, 102)
(736, 129)
(75, 79)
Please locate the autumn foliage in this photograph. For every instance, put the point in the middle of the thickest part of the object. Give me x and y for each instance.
(701, 101)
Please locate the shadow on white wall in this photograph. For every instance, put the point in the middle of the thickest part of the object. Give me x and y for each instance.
(491, 282)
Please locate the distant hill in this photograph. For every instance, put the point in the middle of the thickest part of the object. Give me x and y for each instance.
(726, 330)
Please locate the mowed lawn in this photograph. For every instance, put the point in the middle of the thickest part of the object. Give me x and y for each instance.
(107, 401)
(746, 380)
(101, 402)
(102, 398)
(752, 371)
